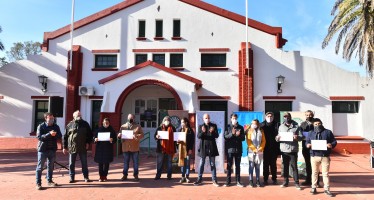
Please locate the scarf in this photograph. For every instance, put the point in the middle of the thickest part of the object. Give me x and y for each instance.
(182, 146)
(256, 137)
(168, 145)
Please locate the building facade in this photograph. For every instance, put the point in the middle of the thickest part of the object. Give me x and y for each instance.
(148, 56)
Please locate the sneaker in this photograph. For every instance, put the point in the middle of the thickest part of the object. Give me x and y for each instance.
(284, 185)
(313, 191)
(38, 187)
(187, 180)
(251, 184)
(328, 193)
(136, 178)
(52, 184)
(275, 182)
(124, 178)
(71, 181)
(215, 183)
(227, 184)
(258, 184)
(183, 180)
(198, 182)
(306, 183)
(297, 186)
(239, 184)
(87, 180)
(105, 178)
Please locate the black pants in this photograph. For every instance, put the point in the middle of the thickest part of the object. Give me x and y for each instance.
(270, 161)
(103, 169)
(308, 166)
(230, 158)
(290, 159)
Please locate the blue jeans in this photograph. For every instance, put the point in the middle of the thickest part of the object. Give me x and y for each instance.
(256, 167)
(212, 161)
(160, 159)
(49, 155)
(186, 168)
(126, 161)
(73, 158)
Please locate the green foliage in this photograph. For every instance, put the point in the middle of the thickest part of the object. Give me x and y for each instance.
(20, 50)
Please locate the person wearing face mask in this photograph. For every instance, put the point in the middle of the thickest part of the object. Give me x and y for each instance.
(289, 149)
(207, 133)
(234, 136)
(321, 157)
(47, 133)
(130, 147)
(165, 148)
(256, 143)
(76, 141)
(185, 150)
(307, 126)
(271, 150)
(104, 149)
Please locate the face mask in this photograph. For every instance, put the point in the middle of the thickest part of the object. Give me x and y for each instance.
(166, 123)
(78, 118)
(49, 121)
(106, 126)
(234, 121)
(318, 128)
(269, 119)
(254, 126)
(287, 120)
(130, 120)
(183, 125)
(309, 119)
(206, 121)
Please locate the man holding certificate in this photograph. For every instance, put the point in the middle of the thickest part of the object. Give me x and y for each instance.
(104, 139)
(164, 136)
(131, 133)
(321, 141)
(288, 136)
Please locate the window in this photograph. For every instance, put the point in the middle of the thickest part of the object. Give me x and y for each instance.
(176, 28)
(140, 58)
(141, 32)
(95, 117)
(176, 60)
(41, 107)
(276, 107)
(213, 60)
(214, 106)
(105, 61)
(159, 28)
(159, 58)
(345, 107)
(146, 112)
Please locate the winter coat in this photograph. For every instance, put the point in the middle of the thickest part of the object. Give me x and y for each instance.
(132, 145)
(233, 143)
(77, 135)
(104, 149)
(306, 126)
(324, 135)
(270, 131)
(288, 147)
(190, 139)
(207, 144)
(159, 147)
(46, 140)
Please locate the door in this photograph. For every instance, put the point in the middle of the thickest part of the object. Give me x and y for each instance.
(214, 106)
(276, 107)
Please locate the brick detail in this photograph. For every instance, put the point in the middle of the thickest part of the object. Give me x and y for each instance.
(245, 80)
(347, 98)
(95, 97)
(115, 119)
(105, 51)
(215, 97)
(192, 120)
(278, 97)
(74, 80)
(157, 50)
(204, 50)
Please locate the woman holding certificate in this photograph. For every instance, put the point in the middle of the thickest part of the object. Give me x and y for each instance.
(185, 149)
(256, 144)
(164, 136)
(104, 138)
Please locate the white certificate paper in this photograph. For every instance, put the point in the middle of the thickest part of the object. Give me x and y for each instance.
(286, 136)
(103, 136)
(180, 136)
(319, 145)
(127, 134)
(164, 135)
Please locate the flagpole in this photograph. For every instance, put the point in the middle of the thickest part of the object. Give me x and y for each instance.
(246, 44)
(71, 33)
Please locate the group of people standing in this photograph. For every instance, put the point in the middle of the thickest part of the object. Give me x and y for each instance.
(263, 140)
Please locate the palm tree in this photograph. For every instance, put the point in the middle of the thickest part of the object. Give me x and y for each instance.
(354, 20)
(1, 44)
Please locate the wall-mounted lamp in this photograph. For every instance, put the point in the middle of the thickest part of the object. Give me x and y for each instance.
(43, 80)
(280, 81)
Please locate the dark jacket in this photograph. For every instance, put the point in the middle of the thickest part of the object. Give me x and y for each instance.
(77, 135)
(208, 145)
(104, 149)
(233, 143)
(306, 126)
(190, 138)
(46, 140)
(324, 135)
(270, 131)
(159, 148)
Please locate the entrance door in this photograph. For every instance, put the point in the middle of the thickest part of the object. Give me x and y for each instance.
(276, 107)
(214, 106)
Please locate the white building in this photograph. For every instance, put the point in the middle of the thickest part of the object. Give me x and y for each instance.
(142, 56)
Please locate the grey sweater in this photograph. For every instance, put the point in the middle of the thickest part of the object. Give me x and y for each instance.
(288, 147)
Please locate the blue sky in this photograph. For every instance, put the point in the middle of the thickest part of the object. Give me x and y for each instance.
(304, 22)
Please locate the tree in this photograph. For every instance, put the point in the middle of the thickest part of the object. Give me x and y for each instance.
(3, 61)
(1, 44)
(20, 50)
(354, 20)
